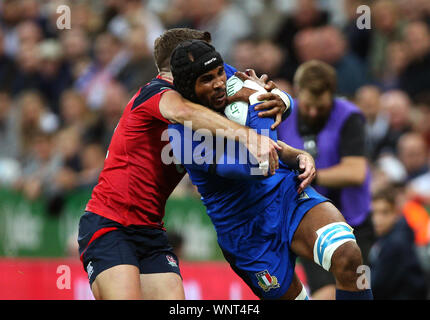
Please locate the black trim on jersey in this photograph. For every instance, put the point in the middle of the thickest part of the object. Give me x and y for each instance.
(151, 89)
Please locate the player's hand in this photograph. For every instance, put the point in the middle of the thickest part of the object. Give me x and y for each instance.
(272, 104)
(265, 150)
(242, 95)
(274, 107)
(251, 75)
(306, 166)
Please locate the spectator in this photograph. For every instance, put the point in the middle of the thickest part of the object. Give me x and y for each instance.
(81, 164)
(226, 22)
(413, 154)
(397, 105)
(244, 53)
(335, 52)
(33, 118)
(308, 46)
(270, 59)
(29, 33)
(74, 112)
(134, 13)
(69, 147)
(10, 167)
(414, 10)
(397, 60)
(27, 76)
(306, 15)
(267, 20)
(10, 16)
(101, 131)
(414, 79)
(110, 58)
(7, 67)
(328, 44)
(181, 13)
(368, 99)
(31, 10)
(396, 273)
(141, 68)
(93, 158)
(55, 75)
(75, 45)
(421, 121)
(8, 133)
(41, 167)
(84, 17)
(387, 28)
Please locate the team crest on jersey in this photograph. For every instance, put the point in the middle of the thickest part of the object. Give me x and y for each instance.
(266, 281)
(171, 261)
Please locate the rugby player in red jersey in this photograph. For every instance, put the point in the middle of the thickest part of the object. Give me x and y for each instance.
(122, 241)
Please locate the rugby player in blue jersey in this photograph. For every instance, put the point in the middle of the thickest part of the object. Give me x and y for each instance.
(262, 222)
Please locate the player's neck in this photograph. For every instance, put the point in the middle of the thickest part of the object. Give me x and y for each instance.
(166, 76)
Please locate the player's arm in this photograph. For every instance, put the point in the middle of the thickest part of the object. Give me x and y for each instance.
(197, 152)
(301, 160)
(351, 170)
(179, 110)
(236, 163)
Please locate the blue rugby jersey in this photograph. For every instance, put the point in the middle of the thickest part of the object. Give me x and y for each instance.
(231, 194)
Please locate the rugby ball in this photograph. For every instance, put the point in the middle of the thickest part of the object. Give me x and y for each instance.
(236, 111)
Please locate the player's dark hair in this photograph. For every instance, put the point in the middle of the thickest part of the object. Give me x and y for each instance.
(317, 77)
(170, 39)
(190, 60)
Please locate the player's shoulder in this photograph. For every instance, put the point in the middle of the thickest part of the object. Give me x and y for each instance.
(154, 87)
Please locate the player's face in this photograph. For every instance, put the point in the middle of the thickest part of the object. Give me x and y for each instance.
(314, 110)
(211, 89)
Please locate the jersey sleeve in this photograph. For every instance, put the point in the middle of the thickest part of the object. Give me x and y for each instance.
(226, 158)
(147, 100)
(154, 107)
(261, 125)
(193, 150)
(246, 169)
(235, 162)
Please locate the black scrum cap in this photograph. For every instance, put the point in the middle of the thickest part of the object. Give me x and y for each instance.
(189, 61)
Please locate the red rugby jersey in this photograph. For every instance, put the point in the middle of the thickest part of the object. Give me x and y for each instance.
(134, 185)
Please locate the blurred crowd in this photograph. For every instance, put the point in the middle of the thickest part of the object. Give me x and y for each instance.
(62, 91)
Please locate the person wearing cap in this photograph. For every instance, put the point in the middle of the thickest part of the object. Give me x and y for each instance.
(263, 222)
(122, 240)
